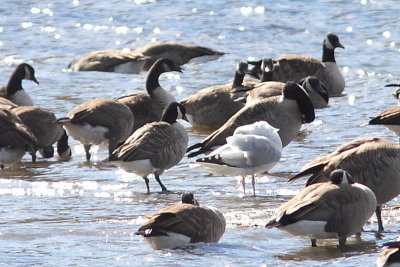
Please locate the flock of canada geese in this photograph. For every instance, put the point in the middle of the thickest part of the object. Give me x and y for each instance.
(250, 120)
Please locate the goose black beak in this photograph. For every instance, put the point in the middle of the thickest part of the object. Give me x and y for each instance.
(34, 79)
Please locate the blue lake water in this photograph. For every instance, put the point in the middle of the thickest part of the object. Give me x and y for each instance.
(77, 213)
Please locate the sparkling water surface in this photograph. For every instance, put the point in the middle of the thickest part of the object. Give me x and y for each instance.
(85, 214)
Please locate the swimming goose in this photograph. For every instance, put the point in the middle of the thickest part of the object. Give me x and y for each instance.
(111, 60)
(286, 113)
(373, 162)
(140, 59)
(99, 121)
(15, 138)
(389, 118)
(179, 225)
(296, 67)
(148, 107)
(43, 124)
(390, 256)
(13, 91)
(252, 149)
(335, 209)
(316, 91)
(154, 147)
(218, 100)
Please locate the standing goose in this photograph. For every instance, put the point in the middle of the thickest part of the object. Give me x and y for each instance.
(286, 113)
(218, 100)
(389, 256)
(154, 147)
(99, 121)
(373, 162)
(13, 91)
(179, 225)
(252, 149)
(43, 124)
(140, 59)
(336, 209)
(316, 91)
(15, 138)
(148, 107)
(296, 67)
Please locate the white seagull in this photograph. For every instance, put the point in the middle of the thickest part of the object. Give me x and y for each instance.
(252, 149)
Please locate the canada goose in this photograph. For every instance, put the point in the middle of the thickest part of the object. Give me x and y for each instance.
(286, 113)
(316, 91)
(43, 124)
(218, 100)
(396, 94)
(148, 107)
(13, 91)
(252, 149)
(154, 147)
(390, 256)
(338, 208)
(99, 121)
(296, 67)
(140, 59)
(15, 138)
(389, 118)
(179, 225)
(373, 162)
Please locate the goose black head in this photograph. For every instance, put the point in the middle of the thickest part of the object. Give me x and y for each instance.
(25, 72)
(331, 41)
(312, 83)
(340, 176)
(166, 65)
(294, 91)
(173, 112)
(188, 198)
(242, 67)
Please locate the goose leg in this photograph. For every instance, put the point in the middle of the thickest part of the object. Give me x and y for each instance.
(243, 181)
(33, 155)
(163, 188)
(379, 217)
(313, 242)
(342, 241)
(87, 150)
(253, 183)
(146, 180)
(112, 145)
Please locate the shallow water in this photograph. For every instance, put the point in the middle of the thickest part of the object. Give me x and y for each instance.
(77, 213)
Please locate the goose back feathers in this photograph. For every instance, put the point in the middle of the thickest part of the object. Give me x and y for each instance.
(374, 162)
(154, 147)
(286, 113)
(338, 208)
(179, 225)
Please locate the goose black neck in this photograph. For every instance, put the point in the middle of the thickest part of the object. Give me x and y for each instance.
(170, 114)
(266, 76)
(152, 82)
(238, 79)
(15, 82)
(328, 55)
